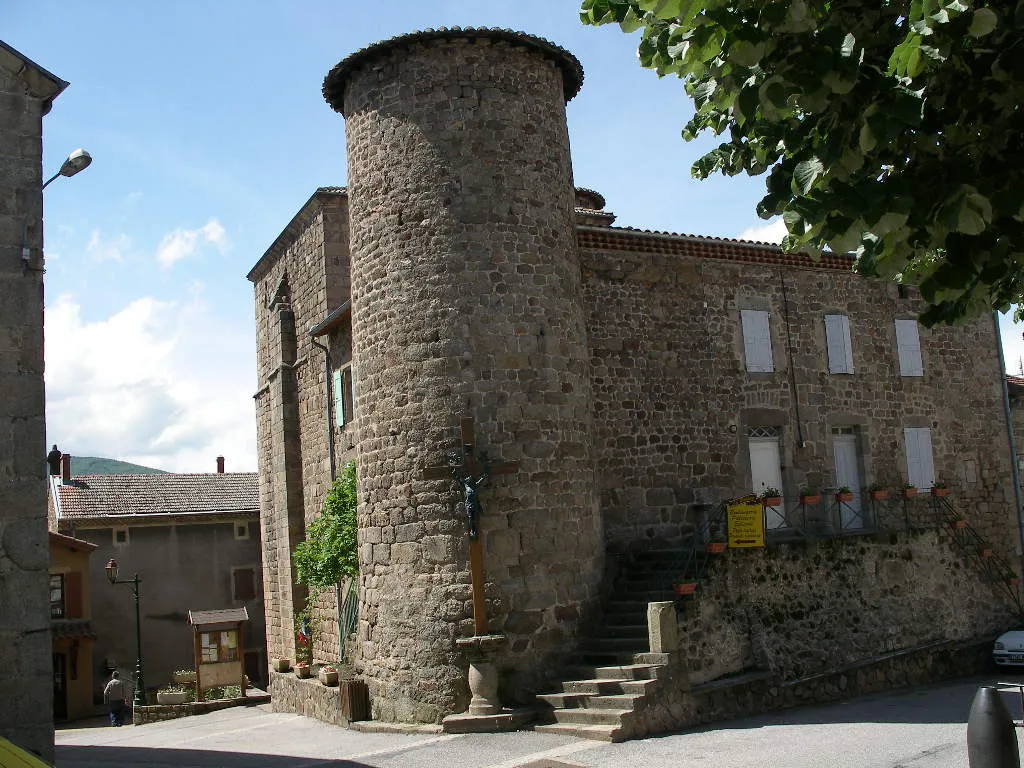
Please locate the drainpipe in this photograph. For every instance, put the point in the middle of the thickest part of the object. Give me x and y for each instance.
(334, 472)
(1014, 473)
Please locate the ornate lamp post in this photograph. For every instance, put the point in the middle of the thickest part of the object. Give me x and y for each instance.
(140, 686)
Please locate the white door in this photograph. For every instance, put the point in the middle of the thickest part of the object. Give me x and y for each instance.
(844, 445)
(766, 472)
(920, 469)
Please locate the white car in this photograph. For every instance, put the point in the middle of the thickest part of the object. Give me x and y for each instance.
(1009, 648)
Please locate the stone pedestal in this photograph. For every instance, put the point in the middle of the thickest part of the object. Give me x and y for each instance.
(485, 713)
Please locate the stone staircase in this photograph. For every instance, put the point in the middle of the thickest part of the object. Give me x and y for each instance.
(613, 675)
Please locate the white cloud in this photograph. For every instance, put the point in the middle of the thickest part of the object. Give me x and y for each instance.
(182, 243)
(769, 233)
(151, 384)
(102, 249)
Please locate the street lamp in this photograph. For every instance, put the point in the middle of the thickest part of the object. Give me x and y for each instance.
(140, 687)
(77, 161)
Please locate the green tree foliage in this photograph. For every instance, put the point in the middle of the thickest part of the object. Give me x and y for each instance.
(329, 552)
(892, 129)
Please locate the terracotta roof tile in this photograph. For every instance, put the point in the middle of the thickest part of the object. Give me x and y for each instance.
(90, 496)
(645, 241)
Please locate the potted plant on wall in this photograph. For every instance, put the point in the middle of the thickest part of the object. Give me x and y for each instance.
(878, 492)
(909, 491)
(940, 489)
(328, 675)
(305, 626)
(844, 494)
(771, 497)
(810, 496)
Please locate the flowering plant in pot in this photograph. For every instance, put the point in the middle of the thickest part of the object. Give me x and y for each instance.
(302, 669)
(844, 494)
(940, 489)
(810, 496)
(771, 497)
(878, 492)
(909, 490)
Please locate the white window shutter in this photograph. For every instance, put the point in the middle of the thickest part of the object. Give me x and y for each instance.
(339, 398)
(837, 339)
(908, 347)
(757, 341)
(920, 467)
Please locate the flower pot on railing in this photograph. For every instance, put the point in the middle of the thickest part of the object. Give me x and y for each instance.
(685, 588)
(959, 524)
(845, 498)
(879, 494)
(810, 499)
(985, 552)
(940, 493)
(910, 493)
(771, 501)
(715, 547)
(1013, 581)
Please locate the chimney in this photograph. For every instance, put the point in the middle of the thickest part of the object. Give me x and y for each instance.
(65, 469)
(220, 465)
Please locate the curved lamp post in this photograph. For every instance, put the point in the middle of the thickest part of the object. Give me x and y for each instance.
(140, 687)
(77, 161)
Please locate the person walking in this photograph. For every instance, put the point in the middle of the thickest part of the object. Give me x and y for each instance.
(114, 695)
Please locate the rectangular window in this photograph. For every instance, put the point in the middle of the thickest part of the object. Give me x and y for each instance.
(341, 383)
(908, 346)
(241, 531)
(56, 596)
(757, 341)
(837, 339)
(120, 537)
(920, 468)
(244, 583)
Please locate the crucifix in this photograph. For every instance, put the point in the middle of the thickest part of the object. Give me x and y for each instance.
(471, 472)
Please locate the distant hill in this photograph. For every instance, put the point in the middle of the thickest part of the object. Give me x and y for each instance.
(90, 465)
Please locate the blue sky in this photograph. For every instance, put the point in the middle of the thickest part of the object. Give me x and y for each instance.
(208, 131)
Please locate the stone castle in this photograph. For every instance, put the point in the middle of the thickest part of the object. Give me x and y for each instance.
(637, 380)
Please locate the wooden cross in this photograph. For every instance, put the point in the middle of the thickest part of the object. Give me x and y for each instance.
(472, 472)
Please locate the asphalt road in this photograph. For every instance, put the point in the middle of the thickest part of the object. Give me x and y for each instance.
(921, 727)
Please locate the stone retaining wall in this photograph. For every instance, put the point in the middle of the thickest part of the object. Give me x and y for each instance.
(308, 697)
(158, 712)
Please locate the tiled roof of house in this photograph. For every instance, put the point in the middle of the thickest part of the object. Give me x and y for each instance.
(632, 240)
(1015, 381)
(221, 616)
(92, 496)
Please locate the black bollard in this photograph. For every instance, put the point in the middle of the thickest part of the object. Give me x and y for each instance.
(991, 735)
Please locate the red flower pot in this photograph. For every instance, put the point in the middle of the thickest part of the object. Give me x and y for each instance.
(772, 501)
(847, 497)
(687, 588)
(715, 547)
(811, 500)
(940, 492)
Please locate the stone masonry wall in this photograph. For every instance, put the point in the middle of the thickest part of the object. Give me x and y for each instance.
(465, 299)
(803, 608)
(26, 687)
(294, 468)
(674, 400)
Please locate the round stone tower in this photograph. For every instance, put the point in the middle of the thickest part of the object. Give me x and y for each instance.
(466, 303)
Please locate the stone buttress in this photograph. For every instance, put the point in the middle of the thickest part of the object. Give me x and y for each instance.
(466, 301)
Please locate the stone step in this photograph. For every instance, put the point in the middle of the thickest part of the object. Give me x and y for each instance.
(617, 672)
(625, 630)
(611, 733)
(595, 686)
(658, 593)
(622, 701)
(620, 717)
(613, 645)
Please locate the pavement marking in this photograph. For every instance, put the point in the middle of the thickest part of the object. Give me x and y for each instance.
(539, 758)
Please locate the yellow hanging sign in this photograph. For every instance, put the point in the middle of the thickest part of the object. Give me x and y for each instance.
(746, 524)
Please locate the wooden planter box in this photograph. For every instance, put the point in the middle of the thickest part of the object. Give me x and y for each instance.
(772, 501)
(811, 500)
(354, 700)
(715, 547)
